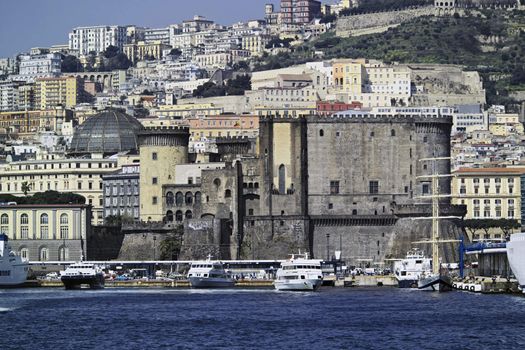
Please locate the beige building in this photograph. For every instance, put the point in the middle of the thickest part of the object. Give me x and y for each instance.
(489, 193)
(47, 232)
(142, 50)
(255, 44)
(81, 176)
(63, 91)
(161, 149)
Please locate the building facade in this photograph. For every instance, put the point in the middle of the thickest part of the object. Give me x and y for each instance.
(37, 66)
(97, 38)
(47, 232)
(299, 11)
(54, 92)
(121, 193)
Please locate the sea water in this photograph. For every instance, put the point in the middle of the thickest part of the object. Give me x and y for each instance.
(332, 318)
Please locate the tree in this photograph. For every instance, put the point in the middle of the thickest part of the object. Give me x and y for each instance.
(508, 225)
(171, 246)
(328, 19)
(26, 187)
(175, 52)
(111, 51)
(70, 64)
(239, 85)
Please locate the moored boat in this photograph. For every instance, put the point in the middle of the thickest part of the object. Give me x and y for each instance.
(409, 270)
(209, 274)
(13, 268)
(83, 274)
(516, 256)
(299, 274)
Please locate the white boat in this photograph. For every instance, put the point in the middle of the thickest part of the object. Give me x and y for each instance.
(13, 269)
(301, 274)
(408, 271)
(209, 274)
(516, 256)
(83, 273)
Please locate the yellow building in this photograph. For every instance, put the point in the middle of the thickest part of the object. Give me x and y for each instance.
(141, 50)
(53, 92)
(505, 124)
(489, 193)
(41, 232)
(81, 176)
(25, 124)
(189, 109)
(223, 126)
(161, 149)
(255, 44)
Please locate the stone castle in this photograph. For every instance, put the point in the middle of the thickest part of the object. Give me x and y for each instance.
(351, 182)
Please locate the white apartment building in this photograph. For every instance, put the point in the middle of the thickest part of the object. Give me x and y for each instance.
(153, 35)
(40, 66)
(8, 96)
(469, 117)
(97, 38)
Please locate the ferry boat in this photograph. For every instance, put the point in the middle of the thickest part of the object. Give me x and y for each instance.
(408, 271)
(299, 274)
(13, 269)
(83, 273)
(209, 274)
(516, 256)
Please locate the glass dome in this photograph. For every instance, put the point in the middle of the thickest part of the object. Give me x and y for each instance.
(108, 132)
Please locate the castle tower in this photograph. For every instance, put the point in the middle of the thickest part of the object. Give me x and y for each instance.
(160, 150)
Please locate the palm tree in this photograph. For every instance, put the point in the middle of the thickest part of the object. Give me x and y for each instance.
(26, 187)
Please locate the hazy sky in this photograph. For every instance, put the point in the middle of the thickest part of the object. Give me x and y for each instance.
(32, 23)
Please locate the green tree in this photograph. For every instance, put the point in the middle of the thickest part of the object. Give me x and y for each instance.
(26, 187)
(70, 64)
(170, 247)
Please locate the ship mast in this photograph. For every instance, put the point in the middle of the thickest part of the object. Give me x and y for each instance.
(435, 195)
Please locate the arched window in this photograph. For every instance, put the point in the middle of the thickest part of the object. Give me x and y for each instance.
(228, 193)
(170, 199)
(24, 253)
(178, 216)
(169, 216)
(189, 198)
(321, 132)
(24, 219)
(217, 183)
(179, 199)
(198, 198)
(4, 222)
(43, 254)
(63, 253)
(282, 179)
(189, 214)
(250, 185)
(256, 185)
(44, 228)
(24, 226)
(64, 227)
(392, 132)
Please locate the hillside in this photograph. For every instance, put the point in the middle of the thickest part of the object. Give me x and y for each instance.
(492, 42)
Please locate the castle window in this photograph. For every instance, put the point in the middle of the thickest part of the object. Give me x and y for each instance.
(334, 187)
(154, 181)
(330, 206)
(189, 198)
(169, 216)
(250, 211)
(217, 183)
(321, 132)
(198, 198)
(425, 189)
(282, 179)
(189, 214)
(179, 199)
(170, 198)
(392, 132)
(373, 187)
(354, 212)
(154, 200)
(372, 134)
(425, 139)
(178, 216)
(228, 193)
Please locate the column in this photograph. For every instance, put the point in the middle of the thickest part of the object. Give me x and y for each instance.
(34, 223)
(14, 224)
(54, 223)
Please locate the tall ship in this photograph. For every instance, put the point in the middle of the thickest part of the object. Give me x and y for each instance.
(516, 256)
(409, 270)
(13, 268)
(438, 278)
(299, 274)
(83, 274)
(209, 274)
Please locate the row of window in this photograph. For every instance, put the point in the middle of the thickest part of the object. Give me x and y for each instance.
(24, 219)
(43, 253)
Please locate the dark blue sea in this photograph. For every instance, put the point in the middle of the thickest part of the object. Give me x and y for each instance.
(333, 318)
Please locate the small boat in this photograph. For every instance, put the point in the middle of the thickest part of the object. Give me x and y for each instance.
(13, 268)
(409, 270)
(516, 256)
(209, 274)
(83, 273)
(440, 282)
(299, 274)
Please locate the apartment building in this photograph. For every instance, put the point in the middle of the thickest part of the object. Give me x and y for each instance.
(299, 11)
(37, 66)
(63, 91)
(97, 38)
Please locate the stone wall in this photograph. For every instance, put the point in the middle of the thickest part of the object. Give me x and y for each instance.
(375, 22)
(104, 243)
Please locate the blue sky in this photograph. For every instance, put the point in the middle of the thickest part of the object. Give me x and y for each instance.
(31, 23)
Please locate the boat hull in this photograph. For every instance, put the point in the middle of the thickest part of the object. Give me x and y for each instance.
(437, 283)
(298, 285)
(516, 256)
(77, 281)
(17, 274)
(408, 283)
(206, 282)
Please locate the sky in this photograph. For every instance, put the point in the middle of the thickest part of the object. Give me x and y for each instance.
(41, 23)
